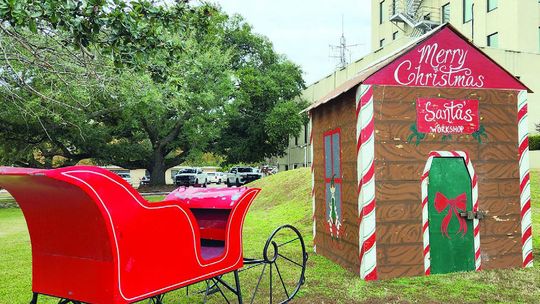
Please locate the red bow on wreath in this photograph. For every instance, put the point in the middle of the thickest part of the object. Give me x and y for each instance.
(456, 205)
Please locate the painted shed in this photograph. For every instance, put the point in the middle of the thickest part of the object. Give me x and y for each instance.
(420, 164)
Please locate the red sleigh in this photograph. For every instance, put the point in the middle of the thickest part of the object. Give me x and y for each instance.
(97, 240)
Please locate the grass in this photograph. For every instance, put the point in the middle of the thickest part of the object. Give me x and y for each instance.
(286, 199)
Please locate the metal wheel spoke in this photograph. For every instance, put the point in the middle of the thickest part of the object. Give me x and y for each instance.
(285, 235)
(281, 279)
(251, 266)
(258, 282)
(270, 283)
(290, 241)
(286, 258)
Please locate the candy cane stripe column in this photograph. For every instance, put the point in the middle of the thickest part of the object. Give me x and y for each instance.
(525, 189)
(366, 182)
(310, 126)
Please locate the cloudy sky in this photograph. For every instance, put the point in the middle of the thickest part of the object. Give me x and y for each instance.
(303, 30)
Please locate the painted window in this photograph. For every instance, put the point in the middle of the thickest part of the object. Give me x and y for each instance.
(446, 13)
(332, 180)
(491, 5)
(493, 40)
(467, 10)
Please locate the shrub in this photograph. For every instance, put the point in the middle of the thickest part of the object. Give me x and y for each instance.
(534, 142)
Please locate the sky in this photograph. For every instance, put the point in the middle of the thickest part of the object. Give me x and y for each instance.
(304, 30)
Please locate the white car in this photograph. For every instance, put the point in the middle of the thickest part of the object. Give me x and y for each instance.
(191, 177)
(125, 176)
(214, 177)
(242, 175)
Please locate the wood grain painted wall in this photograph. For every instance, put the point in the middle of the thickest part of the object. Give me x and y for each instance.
(399, 166)
(337, 114)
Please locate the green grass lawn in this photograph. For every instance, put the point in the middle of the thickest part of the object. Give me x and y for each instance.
(286, 199)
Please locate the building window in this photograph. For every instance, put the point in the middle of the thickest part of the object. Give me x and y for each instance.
(491, 5)
(394, 35)
(381, 12)
(381, 43)
(296, 141)
(493, 40)
(446, 13)
(467, 10)
(394, 7)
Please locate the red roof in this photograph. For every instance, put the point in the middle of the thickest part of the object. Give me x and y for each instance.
(441, 58)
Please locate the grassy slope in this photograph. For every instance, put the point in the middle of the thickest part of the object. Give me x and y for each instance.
(285, 199)
(324, 277)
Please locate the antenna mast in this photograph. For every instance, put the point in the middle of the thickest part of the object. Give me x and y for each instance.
(341, 51)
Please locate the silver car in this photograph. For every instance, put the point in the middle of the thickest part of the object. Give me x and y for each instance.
(214, 177)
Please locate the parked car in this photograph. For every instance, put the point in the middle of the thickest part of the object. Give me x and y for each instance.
(214, 177)
(221, 176)
(125, 176)
(269, 170)
(145, 180)
(242, 175)
(191, 177)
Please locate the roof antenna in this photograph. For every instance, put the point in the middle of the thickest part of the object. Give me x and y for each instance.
(342, 51)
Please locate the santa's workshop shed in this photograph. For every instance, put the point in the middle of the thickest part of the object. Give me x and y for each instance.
(420, 164)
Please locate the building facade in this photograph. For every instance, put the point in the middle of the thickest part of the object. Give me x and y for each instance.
(508, 31)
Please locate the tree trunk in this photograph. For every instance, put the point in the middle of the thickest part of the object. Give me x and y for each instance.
(157, 170)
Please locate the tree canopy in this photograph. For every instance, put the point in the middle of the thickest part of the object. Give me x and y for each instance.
(139, 85)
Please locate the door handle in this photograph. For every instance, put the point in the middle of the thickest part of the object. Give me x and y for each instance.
(471, 215)
(468, 215)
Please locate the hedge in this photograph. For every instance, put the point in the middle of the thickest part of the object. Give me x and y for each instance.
(534, 142)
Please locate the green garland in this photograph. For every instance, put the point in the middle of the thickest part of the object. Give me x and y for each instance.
(418, 136)
(480, 133)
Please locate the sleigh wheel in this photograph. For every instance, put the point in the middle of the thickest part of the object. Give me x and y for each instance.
(283, 266)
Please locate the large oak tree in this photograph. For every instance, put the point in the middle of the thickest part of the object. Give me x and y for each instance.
(139, 85)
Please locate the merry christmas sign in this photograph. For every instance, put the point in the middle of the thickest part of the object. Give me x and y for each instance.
(444, 60)
(447, 116)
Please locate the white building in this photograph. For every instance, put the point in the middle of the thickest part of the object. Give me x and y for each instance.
(508, 31)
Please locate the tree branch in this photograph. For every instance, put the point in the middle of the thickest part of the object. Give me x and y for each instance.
(173, 134)
(152, 134)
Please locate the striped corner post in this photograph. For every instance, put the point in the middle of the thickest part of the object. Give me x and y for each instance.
(365, 150)
(524, 180)
(310, 126)
(425, 219)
